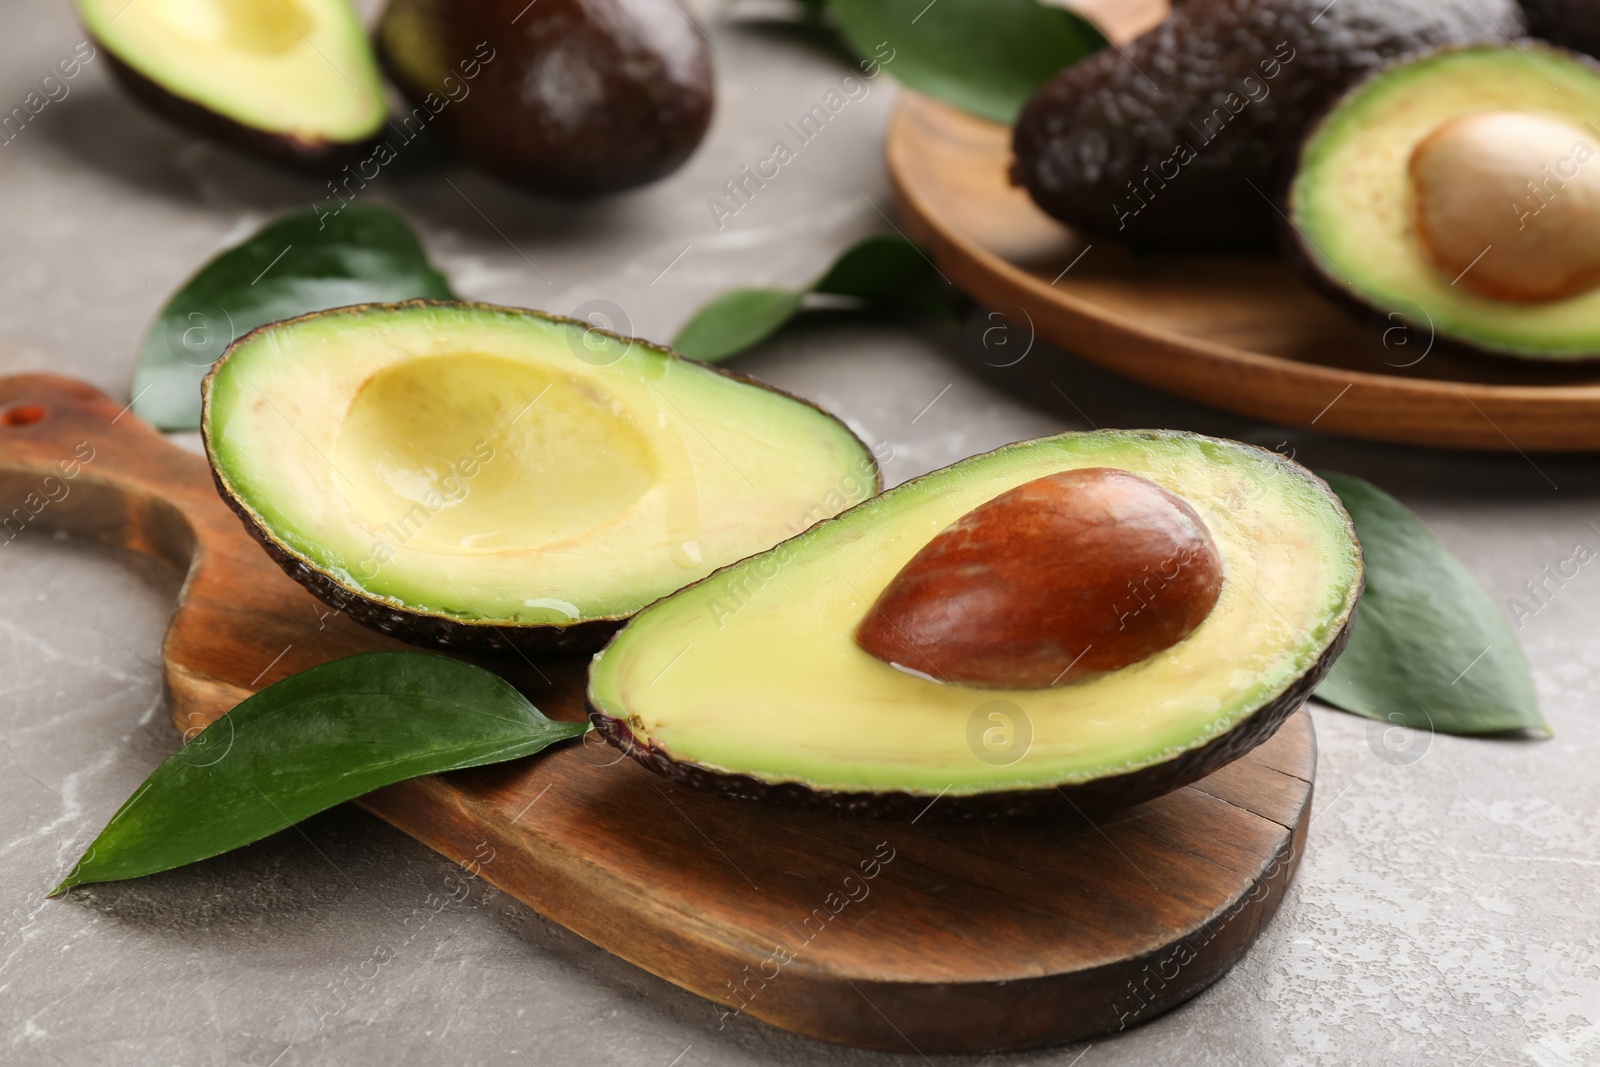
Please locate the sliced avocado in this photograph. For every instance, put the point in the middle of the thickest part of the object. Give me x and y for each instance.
(573, 97)
(488, 478)
(1178, 139)
(293, 80)
(1460, 192)
(752, 681)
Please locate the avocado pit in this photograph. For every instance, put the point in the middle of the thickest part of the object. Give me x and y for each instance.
(1507, 206)
(1061, 579)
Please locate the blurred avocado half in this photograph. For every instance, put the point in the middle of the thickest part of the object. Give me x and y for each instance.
(1181, 138)
(1459, 191)
(571, 97)
(293, 81)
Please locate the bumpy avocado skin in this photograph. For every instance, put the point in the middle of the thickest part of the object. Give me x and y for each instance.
(1572, 24)
(1181, 139)
(571, 97)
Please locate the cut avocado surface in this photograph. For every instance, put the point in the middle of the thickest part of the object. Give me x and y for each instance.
(752, 681)
(1460, 191)
(483, 477)
(293, 79)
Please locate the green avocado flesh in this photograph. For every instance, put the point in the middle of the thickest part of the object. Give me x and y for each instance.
(756, 672)
(1352, 201)
(493, 465)
(301, 70)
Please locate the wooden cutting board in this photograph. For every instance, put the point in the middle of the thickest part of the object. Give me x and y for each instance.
(925, 936)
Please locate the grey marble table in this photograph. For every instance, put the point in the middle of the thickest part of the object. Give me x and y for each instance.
(1447, 910)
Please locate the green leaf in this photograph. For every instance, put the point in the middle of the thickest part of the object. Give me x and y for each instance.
(1429, 649)
(300, 263)
(984, 56)
(736, 320)
(889, 271)
(884, 271)
(309, 742)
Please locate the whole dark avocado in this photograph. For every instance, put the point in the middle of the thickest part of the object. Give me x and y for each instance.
(572, 97)
(1179, 139)
(1571, 24)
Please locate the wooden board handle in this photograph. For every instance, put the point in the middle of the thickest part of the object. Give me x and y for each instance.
(76, 461)
(72, 459)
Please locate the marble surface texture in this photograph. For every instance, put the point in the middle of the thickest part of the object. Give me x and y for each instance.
(1448, 908)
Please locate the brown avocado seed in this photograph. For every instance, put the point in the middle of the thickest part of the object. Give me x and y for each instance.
(1063, 578)
(1508, 205)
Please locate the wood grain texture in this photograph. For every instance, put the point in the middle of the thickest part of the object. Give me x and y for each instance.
(1245, 334)
(1123, 20)
(930, 936)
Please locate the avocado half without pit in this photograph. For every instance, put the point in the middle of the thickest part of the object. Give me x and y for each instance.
(486, 478)
(1097, 618)
(1460, 191)
(295, 81)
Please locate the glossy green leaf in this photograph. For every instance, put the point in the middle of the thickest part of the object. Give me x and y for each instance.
(309, 742)
(1429, 648)
(884, 271)
(306, 261)
(984, 56)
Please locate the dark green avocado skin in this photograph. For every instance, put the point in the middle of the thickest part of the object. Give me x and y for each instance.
(568, 97)
(418, 628)
(313, 157)
(1571, 24)
(1102, 794)
(1183, 139)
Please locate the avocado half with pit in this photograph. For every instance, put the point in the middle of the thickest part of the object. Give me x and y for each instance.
(928, 644)
(295, 81)
(1460, 192)
(487, 478)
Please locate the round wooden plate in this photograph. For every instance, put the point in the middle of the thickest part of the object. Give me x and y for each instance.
(1244, 334)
